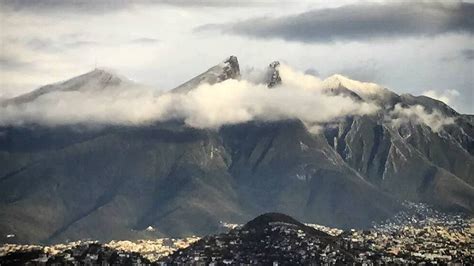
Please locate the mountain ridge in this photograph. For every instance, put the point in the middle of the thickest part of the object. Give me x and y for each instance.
(97, 79)
(228, 69)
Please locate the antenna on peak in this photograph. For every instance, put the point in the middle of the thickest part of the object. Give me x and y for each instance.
(95, 63)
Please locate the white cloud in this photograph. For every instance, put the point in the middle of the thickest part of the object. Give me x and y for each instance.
(417, 114)
(361, 88)
(208, 106)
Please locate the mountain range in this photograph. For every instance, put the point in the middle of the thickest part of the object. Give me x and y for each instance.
(67, 182)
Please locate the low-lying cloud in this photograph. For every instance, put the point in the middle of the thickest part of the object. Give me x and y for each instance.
(360, 22)
(208, 106)
(417, 114)
(300, 96)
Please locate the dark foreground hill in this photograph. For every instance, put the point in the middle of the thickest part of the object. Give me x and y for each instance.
(269, 238)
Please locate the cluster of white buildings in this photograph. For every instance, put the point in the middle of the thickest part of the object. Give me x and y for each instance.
(153, 249)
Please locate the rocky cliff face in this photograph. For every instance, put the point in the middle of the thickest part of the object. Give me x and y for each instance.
(273, 75)
(411, 161)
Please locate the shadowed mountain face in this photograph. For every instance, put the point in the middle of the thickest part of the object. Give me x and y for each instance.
(116, 182)
(411, 162)
(112, 182)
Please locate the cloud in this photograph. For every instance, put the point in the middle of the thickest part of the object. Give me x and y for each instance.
(7, 61)
(107, 6)
(468, 54)
(60, 45)
(446, 96)
(99, 6)
(145, 41)
(366, 69)
(208, 106)
(312, 72)
(417, 114)
(361, 88)
(50, 46)
(359, 22)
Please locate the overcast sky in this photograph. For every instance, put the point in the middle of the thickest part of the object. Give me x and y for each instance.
(410, 47)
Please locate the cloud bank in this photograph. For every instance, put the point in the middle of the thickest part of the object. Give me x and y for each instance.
(360, 22)
(101, 98)
(208, 106)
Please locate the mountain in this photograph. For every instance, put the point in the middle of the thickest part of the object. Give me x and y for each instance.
(412, 161)
(228, 69)
(98, 79)
(113, 182)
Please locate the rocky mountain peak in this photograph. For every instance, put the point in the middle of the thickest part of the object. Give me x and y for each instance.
(228, 69)
(231, 69)
(99, 76)
(273, 75)
(339, 81)
(97, 79)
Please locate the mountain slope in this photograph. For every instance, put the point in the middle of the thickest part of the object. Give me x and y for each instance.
(98, 79)
(281, 166)
(180, 181)
(228, 69)
(409, 160)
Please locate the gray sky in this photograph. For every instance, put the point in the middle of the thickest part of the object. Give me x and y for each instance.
(410, 47)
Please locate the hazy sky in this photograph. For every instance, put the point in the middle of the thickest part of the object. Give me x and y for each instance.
(410, 47)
